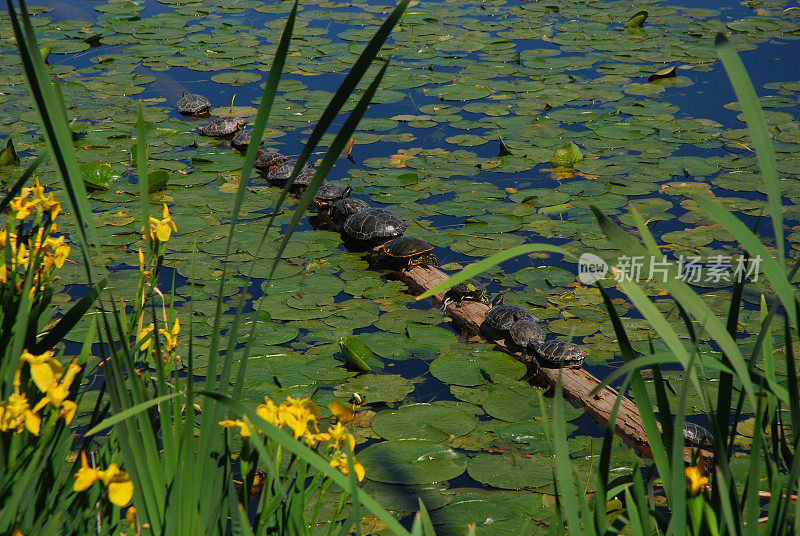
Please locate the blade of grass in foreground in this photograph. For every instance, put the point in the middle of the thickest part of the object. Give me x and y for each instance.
(339, 98)
(757, 125)
(493, 260)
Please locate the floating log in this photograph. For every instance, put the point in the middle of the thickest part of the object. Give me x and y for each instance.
(577, 384)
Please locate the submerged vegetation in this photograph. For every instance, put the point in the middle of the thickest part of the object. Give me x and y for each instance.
(232, 391)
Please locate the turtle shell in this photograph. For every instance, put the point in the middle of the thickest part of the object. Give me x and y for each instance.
(525, 332)
(192, 104)
(241, 139)
(303, 178)
(344, 208)
(502, 317)
(406, 246)
(222, 126)
(281, 172)
(696, 434)
(268, 160)
(329, 192)
(558, 354)
(374, 223)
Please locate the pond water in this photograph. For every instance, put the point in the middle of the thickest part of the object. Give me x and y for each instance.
(477, 98)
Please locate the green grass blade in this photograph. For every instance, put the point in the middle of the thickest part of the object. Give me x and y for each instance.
(686, 296)
(568, 491)
(773, 269)
(757, 124)
(328, 160)
(493, 260)
(641, 397)
(343, 93)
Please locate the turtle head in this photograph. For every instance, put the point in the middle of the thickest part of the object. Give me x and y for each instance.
(498, 300)
(347, 192)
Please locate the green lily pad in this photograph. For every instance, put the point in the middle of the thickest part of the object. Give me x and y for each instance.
(356, 353)
(375, 389)
(8, 155)
(98, 176)
(469, 368)
(512, 470)
(157, 180)
(637, 20)
(435, 422)
(566, 156)
(411, 461)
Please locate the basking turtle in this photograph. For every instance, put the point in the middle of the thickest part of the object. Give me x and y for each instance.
(303, 178)
(374, 223)
(501, 317)
(344, 208)
(559, 354)
(329, 193)
(696, 434)
(526, 333)
(468, 290)
(281, 172)
(408, 251)
(193, 104)
(221, 127)
(269, 160)
(241, 139)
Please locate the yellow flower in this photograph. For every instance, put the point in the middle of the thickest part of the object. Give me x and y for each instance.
(171, 336)
(143, 334)
(338, 435)
(296, 415)
(340, 463)
(244, 429)
(120, 487)
(16, 412)
(57, 395)
(695, 479)
(22, 207)
(269, 412)
(162, 229)
(60, 250)
(44, 369)
(342, 413)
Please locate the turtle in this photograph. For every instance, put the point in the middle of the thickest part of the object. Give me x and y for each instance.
(281, 172)
(374, 223)
(409, 251)
(526, 334)
(501, 317)
(222, 126)
(241, 139)
(344, 208)
(269, 160)
(329, 192)
(468, 290)
(696, 435)
(559, 354)
(303, 178)
(193, 104)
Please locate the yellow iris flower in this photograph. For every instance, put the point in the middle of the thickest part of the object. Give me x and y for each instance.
(162, 229)
(695, 479)
(340, 463)
(120, 487)
(16, 412)
(244, 429)
(57, 395)
(44, 369)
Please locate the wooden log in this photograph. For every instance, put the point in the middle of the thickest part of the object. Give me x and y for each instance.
(577, 384)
